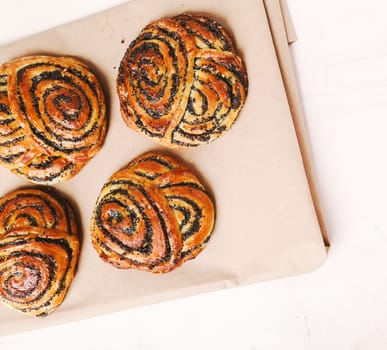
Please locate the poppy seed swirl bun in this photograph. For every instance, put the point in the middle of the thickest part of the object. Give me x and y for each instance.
(52, 117)
(181, 82)
(39, 248)
(152, 215)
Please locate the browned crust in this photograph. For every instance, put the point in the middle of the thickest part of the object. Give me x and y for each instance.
(152, 215)
(52, 117)
(39, 249)
(181, 82)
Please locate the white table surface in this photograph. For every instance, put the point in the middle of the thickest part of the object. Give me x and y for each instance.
(341, 59)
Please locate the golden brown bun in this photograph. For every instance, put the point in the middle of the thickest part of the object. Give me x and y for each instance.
(52, 117)
(39, 249)
(152, 215)
(181, 82)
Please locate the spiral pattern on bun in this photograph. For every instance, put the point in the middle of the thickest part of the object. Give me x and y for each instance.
(53, 117)
(152, 215)
(12, 137)
(181, 82)
(39, 248)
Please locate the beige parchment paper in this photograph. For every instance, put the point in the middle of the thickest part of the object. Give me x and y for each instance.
(283, 33)
(266, 220)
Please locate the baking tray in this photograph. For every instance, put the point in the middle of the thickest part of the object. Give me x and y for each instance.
(266, 224)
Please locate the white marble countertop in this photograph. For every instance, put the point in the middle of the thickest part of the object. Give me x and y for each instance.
(341, 60)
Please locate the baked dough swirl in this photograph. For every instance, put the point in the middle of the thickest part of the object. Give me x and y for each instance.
(152, 215)
(39, 248)
(52, 117)
(181, 82)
